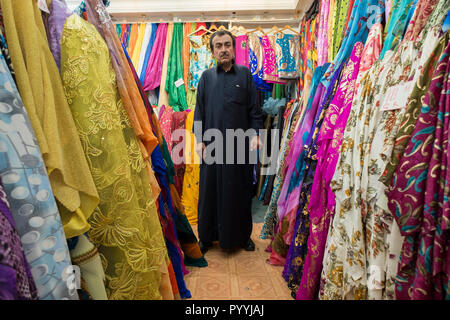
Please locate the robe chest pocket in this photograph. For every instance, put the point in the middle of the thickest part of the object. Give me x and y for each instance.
(236, 94)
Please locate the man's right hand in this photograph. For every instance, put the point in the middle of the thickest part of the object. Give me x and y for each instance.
(201, 149)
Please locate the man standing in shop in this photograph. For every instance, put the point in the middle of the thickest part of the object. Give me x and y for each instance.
(226, 99)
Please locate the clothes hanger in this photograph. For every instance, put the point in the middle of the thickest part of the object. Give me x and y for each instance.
(274, 28)
(213, 27)
(257, 29)
(222, 28)
(287, 27)
(199, 29)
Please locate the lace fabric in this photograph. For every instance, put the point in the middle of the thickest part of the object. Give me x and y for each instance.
(125, 225)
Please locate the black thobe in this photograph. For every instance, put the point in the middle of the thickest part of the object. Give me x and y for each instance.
(226, 100)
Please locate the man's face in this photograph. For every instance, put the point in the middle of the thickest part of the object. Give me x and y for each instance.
(223, 49)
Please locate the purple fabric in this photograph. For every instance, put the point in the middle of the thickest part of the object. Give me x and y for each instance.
(419, 196)
(322, 201)
(59, 12)
(16, 281)
(155, 62)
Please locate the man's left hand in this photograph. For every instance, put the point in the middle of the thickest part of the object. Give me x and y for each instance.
(255, 143)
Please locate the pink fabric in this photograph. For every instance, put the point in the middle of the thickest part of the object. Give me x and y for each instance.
(373, 47)
(322, 39)
(270, 69)
(242, 51)
(322, 201)
(155, 61)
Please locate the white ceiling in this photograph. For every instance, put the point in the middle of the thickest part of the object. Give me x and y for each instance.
(206, 10)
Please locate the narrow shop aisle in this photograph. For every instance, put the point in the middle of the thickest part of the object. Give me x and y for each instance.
(239, 275)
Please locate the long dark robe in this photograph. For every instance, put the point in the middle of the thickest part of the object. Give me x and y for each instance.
(226, 100)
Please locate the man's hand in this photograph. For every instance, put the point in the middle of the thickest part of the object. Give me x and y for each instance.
(255, 143)
(200, 150)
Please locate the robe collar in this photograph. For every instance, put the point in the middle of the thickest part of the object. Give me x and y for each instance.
(220, 69)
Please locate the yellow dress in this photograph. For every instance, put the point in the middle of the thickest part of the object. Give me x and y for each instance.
(125, 226)
(189, 197)
(40, 87)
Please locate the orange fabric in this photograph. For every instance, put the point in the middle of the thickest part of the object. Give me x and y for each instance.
(131, 96)
(186, 48)
(176, 198)
(134, 33)
(173, 281)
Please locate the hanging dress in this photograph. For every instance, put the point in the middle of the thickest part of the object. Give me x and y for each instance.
(133, 250)
(40, 87)
(175, 76)
(154, 67)
(32, 205)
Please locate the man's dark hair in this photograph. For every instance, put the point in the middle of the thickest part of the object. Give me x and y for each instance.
(221, 33)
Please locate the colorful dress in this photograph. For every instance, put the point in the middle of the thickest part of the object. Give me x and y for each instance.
(419, 198)
(270, 70)
(201, 58)
(322, 203)
(288, 55)
(124, 227)
(175, 77)
(256, 56)
(155, 62)
(32, 205)
(242, 54)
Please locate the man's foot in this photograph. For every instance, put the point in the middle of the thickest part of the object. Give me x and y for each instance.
(249, 245)
(204, 246)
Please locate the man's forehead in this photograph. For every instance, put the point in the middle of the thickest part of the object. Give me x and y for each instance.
(222, 39)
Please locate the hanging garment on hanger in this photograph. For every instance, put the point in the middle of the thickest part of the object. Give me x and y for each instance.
(145, 44)
(288, 203)
(298, 246)
(201, 58)
(15, 276)
(149, 47)
(111, 145)
(132, 40)
(39, 84)
(331, 23)
(397, 25)
(372, 136)
(322, 40)
(256, 56)
(186, 237)
(288, 55)
(163, 96)
(292, 115)
(175, 86)
(138, 47)
(190, 190)
(322, 204)
(242, 54)
(270, 69)
(155, 62)
(340, 22)
(424, 267)
(187, 29)
(32, 205)
(349, 12)
(59, 13)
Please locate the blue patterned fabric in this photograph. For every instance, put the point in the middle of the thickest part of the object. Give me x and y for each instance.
(32, 203)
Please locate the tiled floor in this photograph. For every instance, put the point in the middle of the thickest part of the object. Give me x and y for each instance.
(239, 275)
